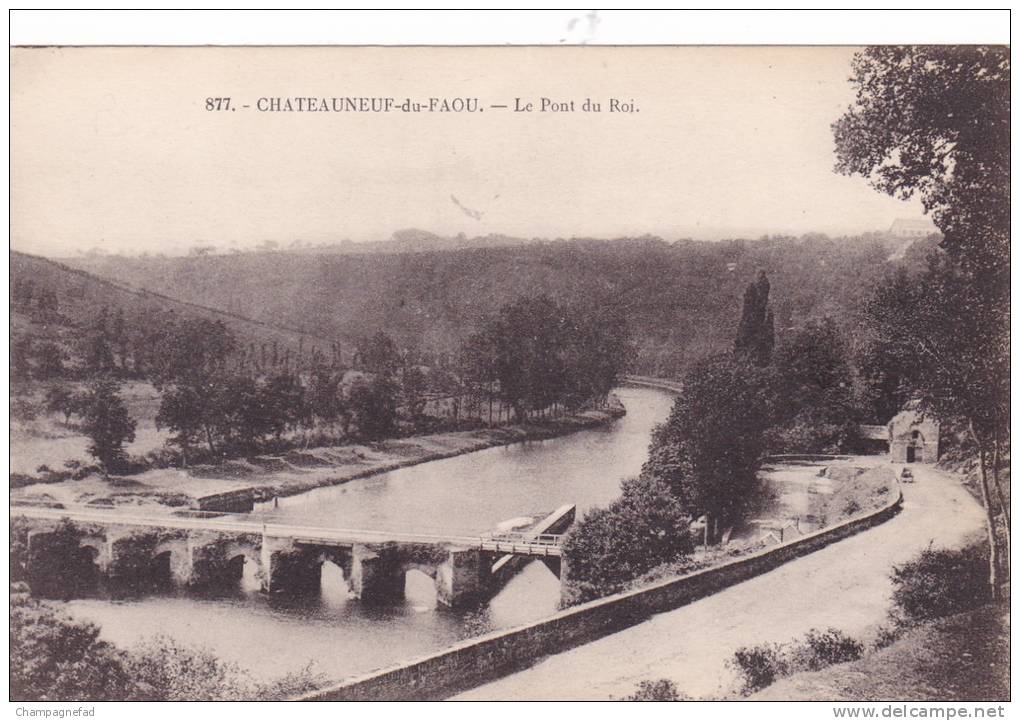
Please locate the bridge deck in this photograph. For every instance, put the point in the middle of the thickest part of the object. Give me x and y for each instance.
(517, 544)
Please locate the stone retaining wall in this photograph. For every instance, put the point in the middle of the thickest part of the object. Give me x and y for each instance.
(484, 658)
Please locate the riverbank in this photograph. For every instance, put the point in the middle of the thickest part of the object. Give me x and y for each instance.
(267, 476)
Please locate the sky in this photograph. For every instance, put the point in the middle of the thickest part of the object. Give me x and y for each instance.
(113, 148)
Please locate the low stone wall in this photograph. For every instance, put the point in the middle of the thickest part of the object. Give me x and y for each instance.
(663, 384)
(484, 658)
(784, 457)
(240, 501)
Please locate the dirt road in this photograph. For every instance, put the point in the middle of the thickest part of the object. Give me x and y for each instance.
(845, 586)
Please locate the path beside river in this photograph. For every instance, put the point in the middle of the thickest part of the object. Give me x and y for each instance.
(845, 585)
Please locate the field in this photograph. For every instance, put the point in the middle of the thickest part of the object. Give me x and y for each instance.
(40, 438)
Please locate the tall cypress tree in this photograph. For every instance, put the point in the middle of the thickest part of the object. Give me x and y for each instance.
(756, 335)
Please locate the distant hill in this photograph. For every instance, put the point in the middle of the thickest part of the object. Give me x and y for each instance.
(682, 300)
(408, 240)
(54, 302)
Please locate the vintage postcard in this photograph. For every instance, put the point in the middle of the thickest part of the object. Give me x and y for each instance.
(510, 373)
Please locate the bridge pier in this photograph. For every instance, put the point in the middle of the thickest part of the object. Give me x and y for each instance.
(213, 557)
(377, 576)
(181, 562)
(463, 578)
(289, 567)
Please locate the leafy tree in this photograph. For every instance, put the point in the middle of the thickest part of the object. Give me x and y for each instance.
(959, 366)
(21, 353)
(185, 411)
(374, 406)
(61, 398)
(477, 362)
(888, 376)
(191, 350)
(98, 353)
(934, 120)
(612, 546)
(378, 354)
(709, 450)
(325, 396)
(597, 350)
(238, 412)
(527, 337)
(282, 402)
(814, 389)
(49, 360)
(756, 335)
(413, 385)
(106, 422)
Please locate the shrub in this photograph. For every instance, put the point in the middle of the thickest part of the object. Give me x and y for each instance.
(54, 658)
(612, 546)
(23, 409)
(661, 690)
(824, 648)
(940, 583)
(164, 670)
(760, 665)
(291, 684)
(885, 636)
(851, 507)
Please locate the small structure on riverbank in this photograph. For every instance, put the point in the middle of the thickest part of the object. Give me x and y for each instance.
(913, 437)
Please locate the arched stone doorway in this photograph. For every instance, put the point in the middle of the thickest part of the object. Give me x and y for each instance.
(916, 447)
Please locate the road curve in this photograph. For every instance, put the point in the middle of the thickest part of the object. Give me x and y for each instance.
(845, 585)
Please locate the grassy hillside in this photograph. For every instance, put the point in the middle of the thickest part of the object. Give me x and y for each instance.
(960, 658)
(682, 299)
(54, 303)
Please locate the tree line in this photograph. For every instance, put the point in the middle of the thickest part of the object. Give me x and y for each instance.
(535, 356)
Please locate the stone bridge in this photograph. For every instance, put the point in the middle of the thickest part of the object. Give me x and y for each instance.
(196, 552)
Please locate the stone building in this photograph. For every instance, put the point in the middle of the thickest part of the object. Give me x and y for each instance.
(913, 438)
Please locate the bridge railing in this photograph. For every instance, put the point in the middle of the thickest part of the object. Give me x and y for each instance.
(554, 539)
(514, 543)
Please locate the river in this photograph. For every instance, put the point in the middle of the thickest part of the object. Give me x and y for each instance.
(270, 636)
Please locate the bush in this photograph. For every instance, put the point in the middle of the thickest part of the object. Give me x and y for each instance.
(23, 409)
(660, 690)
(54, 658)
(760, 665)
(886, 636)
(940, 583)
(612, 546)
(824, 648)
